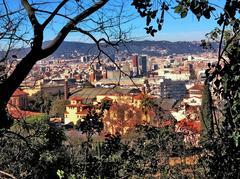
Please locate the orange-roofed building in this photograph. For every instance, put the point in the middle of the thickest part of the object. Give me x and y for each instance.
(19, 100)
(21, 114)
(196, 90)
(76, 100)
(75, 111)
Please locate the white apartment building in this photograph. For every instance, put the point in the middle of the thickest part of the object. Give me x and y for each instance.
(168, 73)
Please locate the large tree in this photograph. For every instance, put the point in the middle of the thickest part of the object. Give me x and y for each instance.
(65, 16)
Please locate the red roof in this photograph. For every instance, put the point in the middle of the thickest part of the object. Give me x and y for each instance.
(20, 114)
(76, 98)
(151, 113)
(138, 97)
(19, 92)
(185, 124)
(83, 112)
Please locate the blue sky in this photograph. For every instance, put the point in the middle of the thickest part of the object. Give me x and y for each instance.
(187, 29)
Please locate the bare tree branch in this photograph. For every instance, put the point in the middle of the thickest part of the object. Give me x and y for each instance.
(70, 25)
(103, 52)
(31, 13)
(54, 13)
(7, 174)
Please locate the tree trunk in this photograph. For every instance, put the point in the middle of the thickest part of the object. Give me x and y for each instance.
(8, 86)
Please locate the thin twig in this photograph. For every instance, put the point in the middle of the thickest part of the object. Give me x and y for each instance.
(8, 174)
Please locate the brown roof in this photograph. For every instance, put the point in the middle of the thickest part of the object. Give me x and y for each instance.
(106, 98)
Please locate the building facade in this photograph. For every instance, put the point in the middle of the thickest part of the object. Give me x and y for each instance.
(19, 100)
(75, 111)
(172, 89)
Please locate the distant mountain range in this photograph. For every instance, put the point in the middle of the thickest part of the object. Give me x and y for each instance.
(153, 48)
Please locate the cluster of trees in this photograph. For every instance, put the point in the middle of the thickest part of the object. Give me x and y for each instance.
(46, 152)
(52, 105)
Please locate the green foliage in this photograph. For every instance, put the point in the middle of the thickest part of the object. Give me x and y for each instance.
(206, 111)
(41, 102)
(58, 108)
(222, 159)
(146, 154)
(47, 155)
(149, 152)
(37, 118)
(33, 150)
(91, 124)
(228, 13)
(222, 123)
(147, 103)
(6, 120)
(60, 174)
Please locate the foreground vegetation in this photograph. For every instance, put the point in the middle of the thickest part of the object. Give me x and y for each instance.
(50, 152)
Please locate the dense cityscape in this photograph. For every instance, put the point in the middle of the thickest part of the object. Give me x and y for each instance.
(119, 89)
(174, 83)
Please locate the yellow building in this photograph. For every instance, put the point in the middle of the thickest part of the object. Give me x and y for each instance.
(133, 100)
(51, 87)
(125, 112)
(75, 111)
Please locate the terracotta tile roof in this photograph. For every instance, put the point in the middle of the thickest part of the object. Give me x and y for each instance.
(19, 92)
(20, 114)
(76, 98)
(151, 113)
(83, 112)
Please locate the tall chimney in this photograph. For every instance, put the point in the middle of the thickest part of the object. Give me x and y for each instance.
(66, 89)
